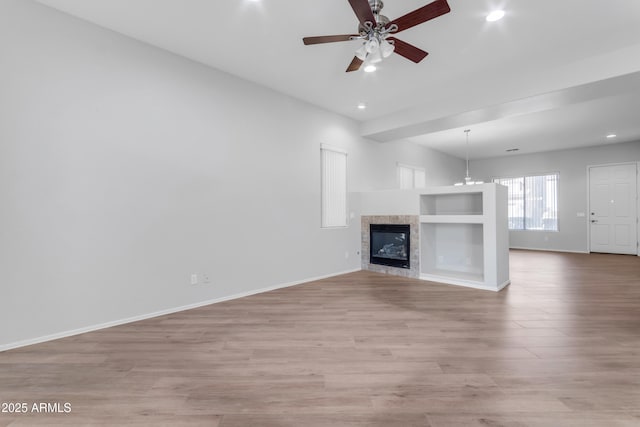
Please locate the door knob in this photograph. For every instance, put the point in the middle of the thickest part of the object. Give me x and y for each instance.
(594, 220)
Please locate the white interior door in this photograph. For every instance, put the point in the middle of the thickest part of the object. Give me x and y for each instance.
(613, 209)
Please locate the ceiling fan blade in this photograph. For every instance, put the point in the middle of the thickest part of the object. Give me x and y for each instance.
(363, 11)
(418, 16)
(355, 64)
(407, 50)
(328, 39)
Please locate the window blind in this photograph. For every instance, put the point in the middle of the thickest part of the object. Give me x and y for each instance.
(541, 202)
(532, 202)
(419, 178)
(334, 187)
(410, 176)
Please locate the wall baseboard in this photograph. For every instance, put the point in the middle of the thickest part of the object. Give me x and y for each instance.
(462, 282)
(548, 250)
(113, 323)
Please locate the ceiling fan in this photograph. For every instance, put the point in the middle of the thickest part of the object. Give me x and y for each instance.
(377, 32)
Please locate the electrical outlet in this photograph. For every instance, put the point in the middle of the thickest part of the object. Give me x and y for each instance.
(194, 279)
(206, 279)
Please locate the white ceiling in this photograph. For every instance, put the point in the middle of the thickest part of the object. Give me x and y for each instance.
(550, 75)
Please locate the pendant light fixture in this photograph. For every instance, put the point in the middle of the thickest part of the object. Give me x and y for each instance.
(467, 178)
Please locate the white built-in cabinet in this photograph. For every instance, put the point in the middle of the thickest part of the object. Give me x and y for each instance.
(464, 236)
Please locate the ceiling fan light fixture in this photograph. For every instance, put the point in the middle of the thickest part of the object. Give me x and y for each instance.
(467, 178)
(361, 53)
(375, 57)
(374, 50)
(386, 48)
(372, 45)
(370, 68)
(496, 15)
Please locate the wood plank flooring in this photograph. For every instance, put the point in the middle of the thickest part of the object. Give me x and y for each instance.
(559, 347)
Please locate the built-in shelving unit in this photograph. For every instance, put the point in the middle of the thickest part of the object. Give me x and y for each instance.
(464, 236)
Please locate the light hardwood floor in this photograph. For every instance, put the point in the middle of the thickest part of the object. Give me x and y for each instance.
(559, 347)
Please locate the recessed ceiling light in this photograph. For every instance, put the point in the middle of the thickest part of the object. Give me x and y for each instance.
(370, 68)
(362, 106)
(611, 135)
(495, 15)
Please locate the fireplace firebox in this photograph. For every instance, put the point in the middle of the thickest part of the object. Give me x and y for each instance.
(389, 244)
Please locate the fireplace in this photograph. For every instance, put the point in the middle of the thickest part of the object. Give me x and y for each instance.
(389, 244)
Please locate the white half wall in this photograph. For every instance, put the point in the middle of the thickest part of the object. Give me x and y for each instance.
(124, 169)
(572, 189)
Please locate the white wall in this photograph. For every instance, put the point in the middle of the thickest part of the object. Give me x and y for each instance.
(440, 168)
(572, 189)
(124, 169)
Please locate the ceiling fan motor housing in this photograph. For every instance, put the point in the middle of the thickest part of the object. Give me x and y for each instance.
(381, 20)
(376, 6)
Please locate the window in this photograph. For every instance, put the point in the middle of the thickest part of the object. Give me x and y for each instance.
(411, 176)
(532, 202)
(334, 186)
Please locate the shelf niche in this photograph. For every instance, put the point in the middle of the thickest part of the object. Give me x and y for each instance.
(455, 251)
(451, 204)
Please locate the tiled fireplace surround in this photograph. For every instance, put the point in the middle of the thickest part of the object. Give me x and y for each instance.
(414, 259)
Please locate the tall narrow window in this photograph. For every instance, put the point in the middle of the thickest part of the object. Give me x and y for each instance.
(334, 186)
(410, 176)
(532, 202)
